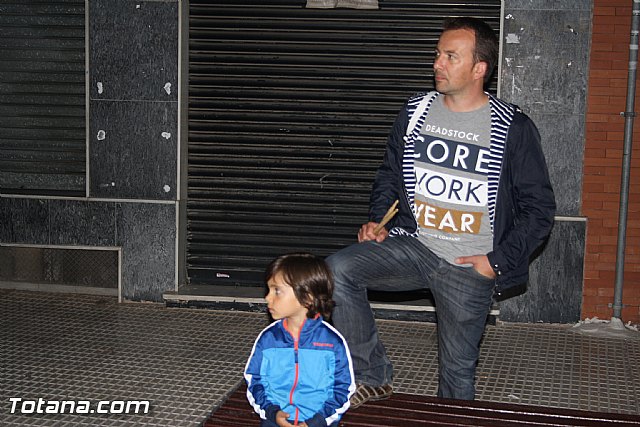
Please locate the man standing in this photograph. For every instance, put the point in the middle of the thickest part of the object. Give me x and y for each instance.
(475, 201)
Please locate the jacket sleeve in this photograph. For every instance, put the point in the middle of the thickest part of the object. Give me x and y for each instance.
(344, 386)
(255, 388)
(388, 180)
(532, 201)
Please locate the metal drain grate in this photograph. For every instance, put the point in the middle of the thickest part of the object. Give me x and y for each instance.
(97, 268)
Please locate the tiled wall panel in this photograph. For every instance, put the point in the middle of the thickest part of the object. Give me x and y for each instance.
(24, 221)
(133, 88)
(76, 222)
(134, 50)
(545, 64)
(147, 235)
(146, 232)
(132, 150)
(554, 291)
(544, 70)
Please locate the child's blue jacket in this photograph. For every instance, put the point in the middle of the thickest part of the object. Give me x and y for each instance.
(310, 378)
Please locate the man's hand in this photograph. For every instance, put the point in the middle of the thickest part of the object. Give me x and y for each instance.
(366, 233)
(480, 264)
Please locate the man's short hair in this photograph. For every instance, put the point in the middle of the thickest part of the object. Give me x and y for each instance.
(487, 44)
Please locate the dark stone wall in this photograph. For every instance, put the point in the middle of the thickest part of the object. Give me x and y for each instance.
(133, 135)
(554, 291)
(545, 65)
(132, 149)
(133, 142)
(145, 232)
(133, 90)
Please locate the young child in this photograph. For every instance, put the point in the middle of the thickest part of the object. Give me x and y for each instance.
(299, 372)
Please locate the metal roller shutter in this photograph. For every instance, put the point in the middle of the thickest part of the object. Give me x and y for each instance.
(289, 109)
(42, 97)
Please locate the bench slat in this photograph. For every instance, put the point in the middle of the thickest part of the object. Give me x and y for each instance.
(422, 411)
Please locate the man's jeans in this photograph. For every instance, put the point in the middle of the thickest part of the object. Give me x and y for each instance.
(462, 298)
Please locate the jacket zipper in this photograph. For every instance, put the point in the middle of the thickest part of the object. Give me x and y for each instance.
(296, 340)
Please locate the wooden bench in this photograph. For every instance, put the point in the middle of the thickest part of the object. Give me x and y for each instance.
(412, 410)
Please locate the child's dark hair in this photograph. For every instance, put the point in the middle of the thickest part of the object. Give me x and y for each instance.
(310, 278)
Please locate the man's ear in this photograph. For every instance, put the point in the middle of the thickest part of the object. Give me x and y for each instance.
(480, 69)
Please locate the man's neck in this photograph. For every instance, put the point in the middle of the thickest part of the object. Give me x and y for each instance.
(465, 103)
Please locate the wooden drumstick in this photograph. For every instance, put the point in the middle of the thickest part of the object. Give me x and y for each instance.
(387, 217)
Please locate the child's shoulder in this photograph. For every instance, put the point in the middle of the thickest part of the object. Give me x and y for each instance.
(331, 332)
(273, 329)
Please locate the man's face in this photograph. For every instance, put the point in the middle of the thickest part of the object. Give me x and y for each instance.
(454, 68)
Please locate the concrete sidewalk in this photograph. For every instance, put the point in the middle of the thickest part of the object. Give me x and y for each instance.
(185, 361)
